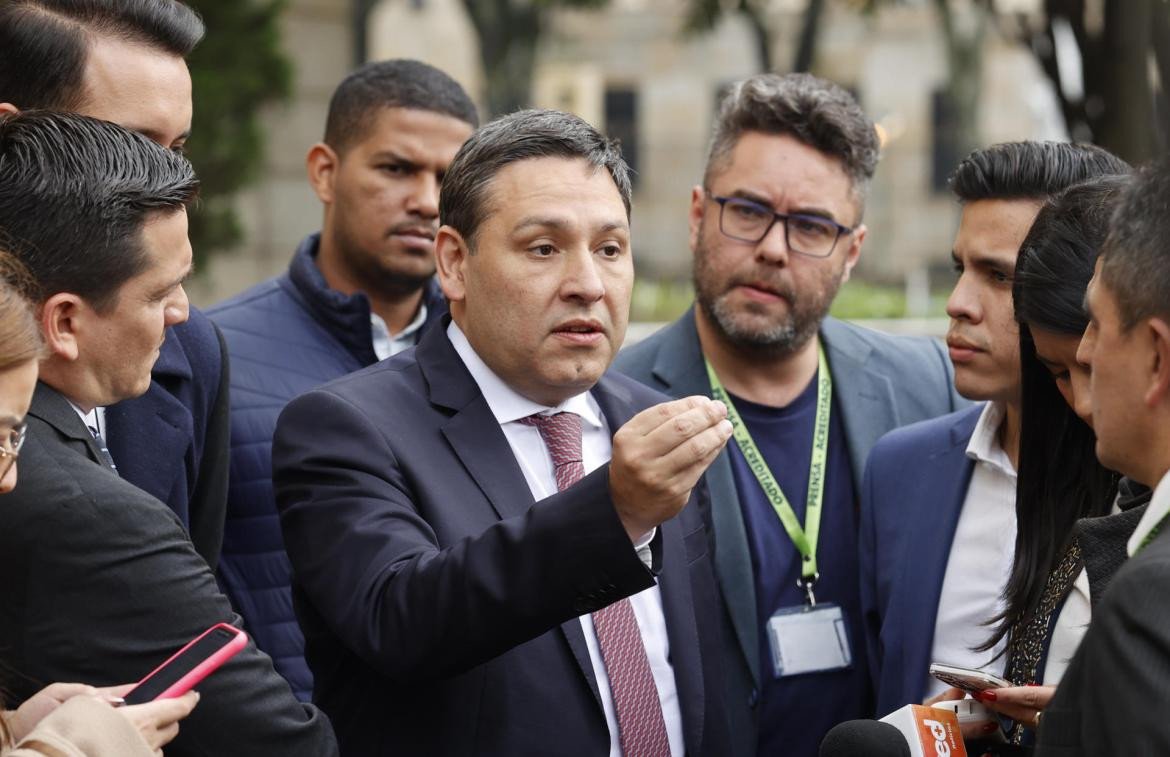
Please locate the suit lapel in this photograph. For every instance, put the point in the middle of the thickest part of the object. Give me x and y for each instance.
(480, 444)
(931, 527)
(678, 606)
(679, 366)
(864, 397)
(472, 431)
(51, 407)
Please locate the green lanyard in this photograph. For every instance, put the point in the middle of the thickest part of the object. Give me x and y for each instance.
(1153, 534)
(804, 539)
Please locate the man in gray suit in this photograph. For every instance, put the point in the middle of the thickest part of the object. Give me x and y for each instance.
(1113, 698)
(775, 229)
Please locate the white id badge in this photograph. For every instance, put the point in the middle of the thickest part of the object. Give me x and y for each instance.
(809, 640)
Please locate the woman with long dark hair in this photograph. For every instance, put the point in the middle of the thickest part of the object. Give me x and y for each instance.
(66, 719)
(1073, 516)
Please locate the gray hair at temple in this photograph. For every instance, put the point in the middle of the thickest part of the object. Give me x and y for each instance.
(814, 111)
(1135, 261)
(523, 135)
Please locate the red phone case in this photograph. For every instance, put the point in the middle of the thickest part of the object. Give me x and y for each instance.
(204, 668)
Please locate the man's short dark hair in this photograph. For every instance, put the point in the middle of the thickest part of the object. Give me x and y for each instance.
(1136, 257)
(814, 111)
(1030, 170)
(44, 43)
(523, 135)
(75, 196)
(392, 84)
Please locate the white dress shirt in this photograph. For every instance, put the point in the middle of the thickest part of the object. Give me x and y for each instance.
(1070, 628)
(508, 407)
(981, 557)
(387, 344)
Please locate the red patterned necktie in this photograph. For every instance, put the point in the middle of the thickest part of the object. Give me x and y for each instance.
(641, 727)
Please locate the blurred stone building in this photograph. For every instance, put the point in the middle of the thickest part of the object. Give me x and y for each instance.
(628, 70)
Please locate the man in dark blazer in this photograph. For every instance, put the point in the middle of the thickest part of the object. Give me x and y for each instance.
(468, 520)
(101, 582)
(764, 282)
(938, 519)
(1112, 699)
(127, 66)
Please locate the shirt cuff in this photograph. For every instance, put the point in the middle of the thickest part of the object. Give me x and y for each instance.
(642, 547)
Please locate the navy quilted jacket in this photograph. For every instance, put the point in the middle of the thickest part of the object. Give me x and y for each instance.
(285, 336)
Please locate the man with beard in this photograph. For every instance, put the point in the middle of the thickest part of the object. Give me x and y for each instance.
(357, 292)
(938, 525)
(775, 230)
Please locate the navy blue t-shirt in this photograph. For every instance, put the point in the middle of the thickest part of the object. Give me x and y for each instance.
(796, 712)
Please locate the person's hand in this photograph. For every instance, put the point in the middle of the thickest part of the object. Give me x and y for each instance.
(949, 695)
(971, 731)
(1022, 704)
(39, 705)
(158, 721)
(658, 457)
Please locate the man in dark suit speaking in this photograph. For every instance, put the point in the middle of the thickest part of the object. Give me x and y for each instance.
(495, 544)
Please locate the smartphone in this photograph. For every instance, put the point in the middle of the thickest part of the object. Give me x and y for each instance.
(189, 665)
(967, 679)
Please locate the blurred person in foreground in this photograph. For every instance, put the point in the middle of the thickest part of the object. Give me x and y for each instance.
(122, 61)
(63, 718)
(101, 583)
(498, 546)
(358, 291)
(1112, 698)
(775, 229)
(938, 520)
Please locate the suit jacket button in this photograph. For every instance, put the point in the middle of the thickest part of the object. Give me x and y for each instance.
(753, 697)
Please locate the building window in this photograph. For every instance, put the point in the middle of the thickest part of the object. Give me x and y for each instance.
(621, 123)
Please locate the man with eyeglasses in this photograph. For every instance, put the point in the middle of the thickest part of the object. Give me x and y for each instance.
(775, 229)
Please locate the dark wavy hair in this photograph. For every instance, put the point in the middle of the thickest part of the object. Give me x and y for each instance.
(1059, 479)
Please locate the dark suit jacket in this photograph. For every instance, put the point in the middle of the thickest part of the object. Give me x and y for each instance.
(439, 603)
(99, 583)
(1112, 699)
(879, 382)
(172, 442)
(914, 490)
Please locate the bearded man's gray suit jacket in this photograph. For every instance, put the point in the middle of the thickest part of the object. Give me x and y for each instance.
(880, 382)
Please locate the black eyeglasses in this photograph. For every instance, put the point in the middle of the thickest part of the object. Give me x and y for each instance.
(10, 445)
(748, 221)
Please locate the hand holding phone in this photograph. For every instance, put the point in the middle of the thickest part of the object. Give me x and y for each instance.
(967, 679)
(189, 665)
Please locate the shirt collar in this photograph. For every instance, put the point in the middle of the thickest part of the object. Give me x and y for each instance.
(90, 419)
(380, 328)
(508, 405)
(1157, 511)
(984, 446)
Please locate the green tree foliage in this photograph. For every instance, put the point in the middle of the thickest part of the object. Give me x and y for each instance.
(509, 31)
(237, 69)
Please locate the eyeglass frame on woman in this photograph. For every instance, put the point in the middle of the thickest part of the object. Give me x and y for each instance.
(783, 218)
(8, 456)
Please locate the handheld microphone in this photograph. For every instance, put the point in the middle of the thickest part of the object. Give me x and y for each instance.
(871, 738)
(912, 731)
